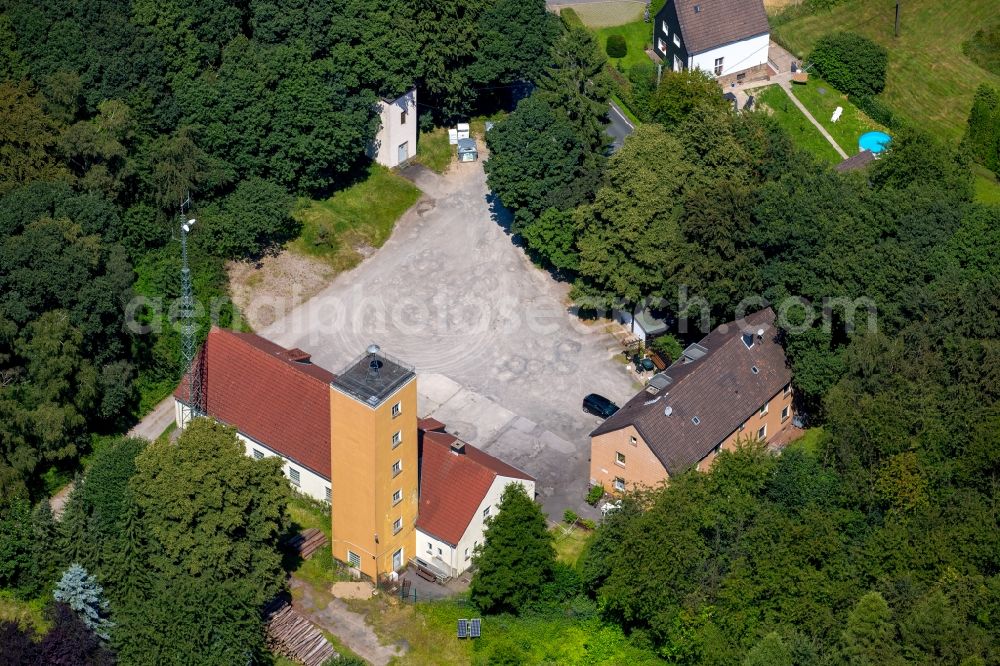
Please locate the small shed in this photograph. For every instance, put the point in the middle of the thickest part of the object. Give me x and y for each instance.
(467, 151)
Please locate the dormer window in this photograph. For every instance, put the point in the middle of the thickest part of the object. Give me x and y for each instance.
(748, 340)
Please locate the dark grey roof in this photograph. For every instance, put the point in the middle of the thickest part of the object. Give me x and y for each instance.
(373, 377)
(719, 22)
(855, 162)
(719, 387)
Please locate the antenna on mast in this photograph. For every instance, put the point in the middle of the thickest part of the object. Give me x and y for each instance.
(187, 314)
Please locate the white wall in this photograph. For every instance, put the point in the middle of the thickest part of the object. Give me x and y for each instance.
(736, 57)
(455, 557)
(393, 132)
(310, 483)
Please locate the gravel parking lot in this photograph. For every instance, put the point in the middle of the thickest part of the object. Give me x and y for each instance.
(499, 357)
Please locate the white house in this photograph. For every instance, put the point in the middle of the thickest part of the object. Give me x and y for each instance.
(278, 401)
(396, 141)
(728, 39)
(460, 487)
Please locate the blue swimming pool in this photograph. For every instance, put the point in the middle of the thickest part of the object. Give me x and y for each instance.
(874, 141)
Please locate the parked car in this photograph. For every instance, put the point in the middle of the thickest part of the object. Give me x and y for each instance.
(598, 405)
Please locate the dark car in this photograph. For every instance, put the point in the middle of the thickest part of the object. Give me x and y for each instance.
(598, 405)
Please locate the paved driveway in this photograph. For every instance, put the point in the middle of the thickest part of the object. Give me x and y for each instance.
(499, 358)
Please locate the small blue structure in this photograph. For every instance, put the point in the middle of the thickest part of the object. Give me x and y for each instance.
(874, 141)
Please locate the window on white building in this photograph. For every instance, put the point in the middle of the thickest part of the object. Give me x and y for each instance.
(466, 553)
(486, 512)
(353, 559)
(718, 66)
(439, 551)
(258, 454)
(402, 118)
(294, 477)
(397, 525)
(326, 492)
(430, 547)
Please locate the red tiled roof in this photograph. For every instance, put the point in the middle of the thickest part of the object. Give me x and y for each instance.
(428, 424)
(453, 485)
(721, 384)
(259, 388)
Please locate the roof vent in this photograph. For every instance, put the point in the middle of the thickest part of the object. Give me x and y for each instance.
(697, 9)
(695, 420)
(668, 410)
(760, 334)
(748, 340)
(296, 355)
(755, 370)
(658, 382)
(457, 447)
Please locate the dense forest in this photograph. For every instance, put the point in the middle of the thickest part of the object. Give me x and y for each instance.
(112, 113)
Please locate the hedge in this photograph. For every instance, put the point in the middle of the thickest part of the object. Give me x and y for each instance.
(616, 47)
(570, 18)
(851, 63)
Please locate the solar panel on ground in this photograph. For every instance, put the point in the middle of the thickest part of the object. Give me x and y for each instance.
(463, 629)
(474, 628)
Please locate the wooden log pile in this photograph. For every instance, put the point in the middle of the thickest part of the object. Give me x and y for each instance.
(308, 542)
(291, 635)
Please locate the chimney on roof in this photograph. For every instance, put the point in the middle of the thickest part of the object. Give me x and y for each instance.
(760, 334)
(458, 447)
(297, 355)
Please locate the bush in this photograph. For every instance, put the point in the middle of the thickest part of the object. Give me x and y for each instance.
(587, 523)
(667, 346)
(569, 516)
(570, 18)
(595, 494)
(982, 135)
(616, 47)
(851, 63)
(877, 110)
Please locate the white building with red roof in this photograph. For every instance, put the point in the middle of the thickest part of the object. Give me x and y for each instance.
(460, 488)
(279, 403)
(276, 398)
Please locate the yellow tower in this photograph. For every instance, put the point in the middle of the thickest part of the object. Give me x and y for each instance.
(373, 448)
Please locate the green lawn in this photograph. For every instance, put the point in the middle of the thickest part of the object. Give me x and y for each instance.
(987, 186)
(570, 543)
(803, 133)
(638, 35)
(362, 214)
(930, 80)
(434, 151)
(320, 570)
(429, 630)
(809, 441)
(822, 100)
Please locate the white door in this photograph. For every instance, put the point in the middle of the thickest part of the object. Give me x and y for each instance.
(404, 151)
(397, 560)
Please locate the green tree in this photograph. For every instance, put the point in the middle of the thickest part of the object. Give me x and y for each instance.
(251, 220)
(210, 512)
(851, 63)
(982, 133)
(577, 84)
(537, 162)
(16, 561)
(27, 138)
(515, 38)
(680, 93)
(616, 46)
(631, 245)
(517, 557)
(770, 651)
(870, 636)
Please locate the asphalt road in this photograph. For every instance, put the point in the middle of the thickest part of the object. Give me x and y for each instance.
(618, 127)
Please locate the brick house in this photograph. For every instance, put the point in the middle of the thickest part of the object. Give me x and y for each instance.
(733, 385)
